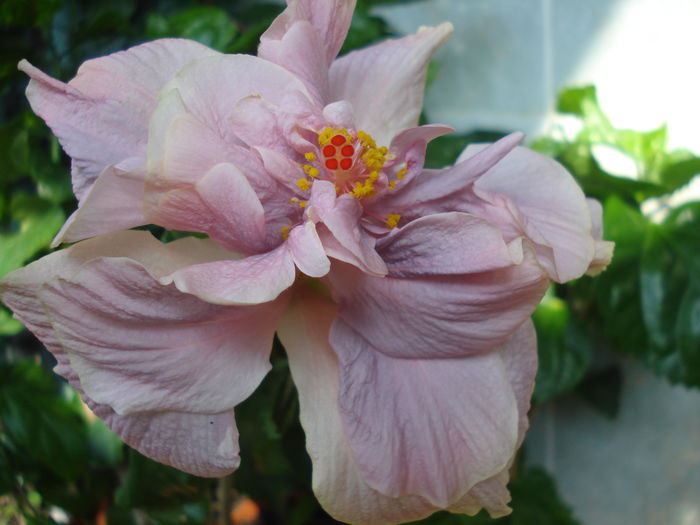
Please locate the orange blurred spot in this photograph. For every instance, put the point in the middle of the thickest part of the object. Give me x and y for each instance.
(245, 512)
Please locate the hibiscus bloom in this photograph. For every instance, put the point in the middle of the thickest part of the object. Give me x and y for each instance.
(402, 295)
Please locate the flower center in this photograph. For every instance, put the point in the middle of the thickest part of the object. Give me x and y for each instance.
(352, 161)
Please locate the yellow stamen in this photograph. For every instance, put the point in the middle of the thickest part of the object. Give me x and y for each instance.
(392, 185)
(392, 220)
(302, 204)
(285, 231)
(303, 184)
(401, 173)
(310, 156)
(310, 170)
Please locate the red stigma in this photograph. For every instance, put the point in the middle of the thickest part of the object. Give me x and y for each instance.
(348, 151)
(338, 140)
(329, 151)
(346, 164)
(332, 164)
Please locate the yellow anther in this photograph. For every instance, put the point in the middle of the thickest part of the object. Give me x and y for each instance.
(392, 220)
(285, 231)
(325, 136)
(310, 171)
(401, 173)
(302, 204)
(303, 184)
(366, 139)
(310, 156)
(374, 175)
(383, 150)
(392, 185)
(365, 189)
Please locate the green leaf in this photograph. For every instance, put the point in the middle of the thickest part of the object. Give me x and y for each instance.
(601, 389)
(208, 25)
(563, 347)
(687, 333)
(8, 325)
(152, 485)
(536, 501)
(38, 221)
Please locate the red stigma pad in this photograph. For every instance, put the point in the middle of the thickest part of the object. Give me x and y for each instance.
(338, 140)
(348, 151)
(329, 151)
(332, 164)
(346, 164)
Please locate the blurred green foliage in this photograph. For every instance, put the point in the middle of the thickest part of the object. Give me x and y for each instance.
(54, 455)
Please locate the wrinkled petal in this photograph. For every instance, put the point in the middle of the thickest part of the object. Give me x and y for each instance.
(211, 87)
(114, 202)
(101, 116)
(385, 82)
(431, 427)
(163, 368)
(139, 346)
(551, 208)
(301, 52)
(439, 315)
(337, 482)
(222, 204)
(307, 250)
(253, 280)
(346, 240)
(434, 191)
(328, 19)
(447, 243)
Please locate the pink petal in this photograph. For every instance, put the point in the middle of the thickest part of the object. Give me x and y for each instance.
(253, 280)
(101, 116)
(114, 202)
(221, 204)
(409, 146)
(385, 82)
(341, 217)
(432, 427)
(211, 87)
(434, 191)
(162, 368)
(300, 52)
(329, 20)
(439, 315)
(446, 244)
(552, 208)
(307, 250)
(139, 346)
(337, 481)
(255, 121)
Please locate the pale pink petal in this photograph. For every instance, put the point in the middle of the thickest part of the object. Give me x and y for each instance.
(431, 427)
(439, 315)
(307, 250)
(114, 202)
(385, 82)
(341, 217)
(435, 191)
(253, 280)
(337, 481)
(329, 19)
(140, 346)
(162, 368)
(446, 244)
(408, 147)
(301, 52)
(551, 208)
(519, 355)
(256, 122)
(211, 87)
(101, 116)
(221, 204)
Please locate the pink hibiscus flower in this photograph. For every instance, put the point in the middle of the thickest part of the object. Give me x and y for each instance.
(403, 296)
